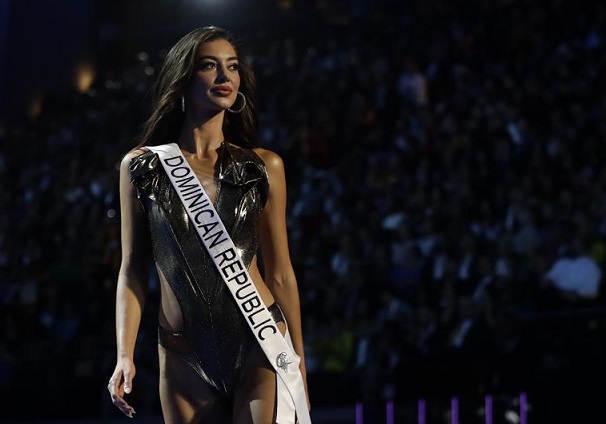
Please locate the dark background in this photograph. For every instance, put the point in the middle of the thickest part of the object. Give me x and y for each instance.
(461, 136)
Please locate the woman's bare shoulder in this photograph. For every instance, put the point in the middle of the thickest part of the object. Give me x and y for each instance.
(272, 160)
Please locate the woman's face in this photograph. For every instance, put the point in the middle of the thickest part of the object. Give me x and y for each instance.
(216, 79)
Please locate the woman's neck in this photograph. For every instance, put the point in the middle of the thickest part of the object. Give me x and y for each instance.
(202, 139)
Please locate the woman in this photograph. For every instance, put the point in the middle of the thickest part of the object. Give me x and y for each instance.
(212, 368)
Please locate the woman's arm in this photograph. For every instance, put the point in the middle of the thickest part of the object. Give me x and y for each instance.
(131, 287)
(279, 274)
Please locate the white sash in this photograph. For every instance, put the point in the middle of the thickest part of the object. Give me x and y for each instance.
(232, 269)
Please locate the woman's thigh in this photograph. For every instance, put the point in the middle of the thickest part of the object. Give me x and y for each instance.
(255, 398)
(185, 397)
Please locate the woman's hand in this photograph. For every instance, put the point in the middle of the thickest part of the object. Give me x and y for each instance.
(121, 383)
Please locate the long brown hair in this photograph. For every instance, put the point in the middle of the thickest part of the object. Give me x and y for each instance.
(166, 118)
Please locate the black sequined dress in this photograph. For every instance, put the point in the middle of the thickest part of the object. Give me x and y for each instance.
(215, 339)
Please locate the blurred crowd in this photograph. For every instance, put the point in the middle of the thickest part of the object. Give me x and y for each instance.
(447, 205)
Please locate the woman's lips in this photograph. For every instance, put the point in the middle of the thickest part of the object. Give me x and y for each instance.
(222, 91)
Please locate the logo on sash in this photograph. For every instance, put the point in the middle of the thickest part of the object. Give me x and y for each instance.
(282, 361)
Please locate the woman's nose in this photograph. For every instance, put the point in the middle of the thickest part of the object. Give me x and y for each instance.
(222, 75)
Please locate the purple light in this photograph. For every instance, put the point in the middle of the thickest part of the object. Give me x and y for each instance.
(523, 407)
(359, 413)
(488, 409)
(454, 410)
(389, 412)
(421, 411)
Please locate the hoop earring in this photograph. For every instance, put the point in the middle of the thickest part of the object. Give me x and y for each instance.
(183, 104)
(243, 104)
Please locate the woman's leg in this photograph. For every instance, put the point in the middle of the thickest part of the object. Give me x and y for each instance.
(185, 397)
(255, 398)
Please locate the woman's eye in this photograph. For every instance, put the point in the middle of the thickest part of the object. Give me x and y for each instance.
(233, 67)
(207, 65)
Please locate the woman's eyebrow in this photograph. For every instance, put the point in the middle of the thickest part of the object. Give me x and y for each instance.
(216, 58)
